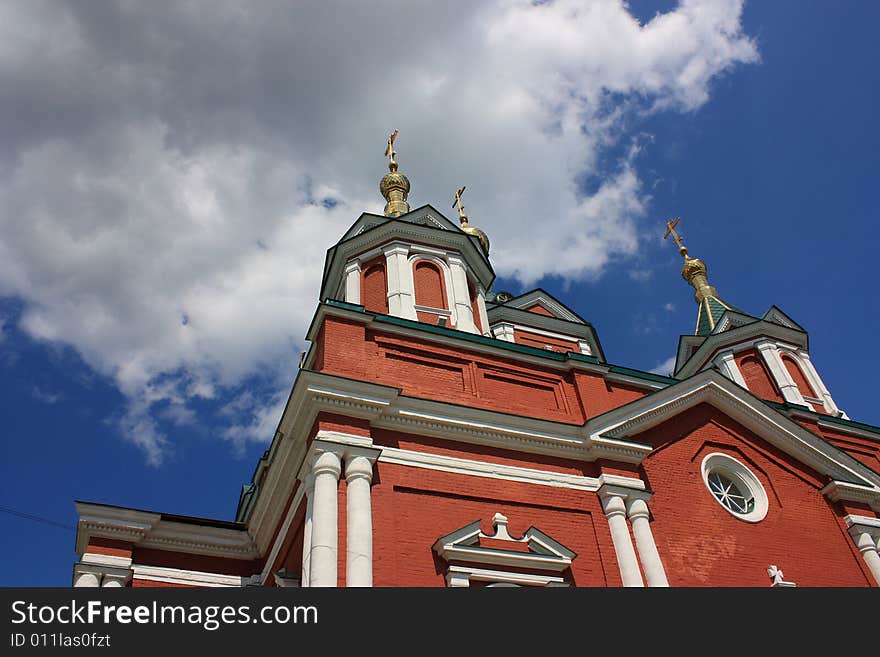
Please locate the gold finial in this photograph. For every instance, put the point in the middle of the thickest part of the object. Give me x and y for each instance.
(470, 230)
(694, 270)
(394, 186)
(462, 217)
(390, 152)
(670, 230)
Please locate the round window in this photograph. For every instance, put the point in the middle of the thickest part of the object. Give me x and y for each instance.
(734, 487)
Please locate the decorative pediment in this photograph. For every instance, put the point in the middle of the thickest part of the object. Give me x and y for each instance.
(542, 302)
(776, 316)
(711, 387)
(536, 559)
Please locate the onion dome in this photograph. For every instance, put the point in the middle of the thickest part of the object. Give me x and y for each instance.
(466, 227)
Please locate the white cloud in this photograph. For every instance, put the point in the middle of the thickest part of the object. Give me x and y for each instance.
(161, 194)
(664, 368)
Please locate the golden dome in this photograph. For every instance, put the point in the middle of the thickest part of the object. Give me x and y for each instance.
(476, 232)
(692, 267)
(394, 186)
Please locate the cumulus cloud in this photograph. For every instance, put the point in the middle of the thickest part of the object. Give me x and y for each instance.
(175, 172)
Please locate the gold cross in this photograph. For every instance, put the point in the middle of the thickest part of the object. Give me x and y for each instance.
(458, 202)
(670, 230)
(389, 149)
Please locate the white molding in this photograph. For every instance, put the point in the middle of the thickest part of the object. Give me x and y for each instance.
(867, 522)
(844, 490)
(436, 257)
(712, 387)
(842, 428)
(741, 474)
(150, 530)
(106, 560)
(468, 573)
(191, 577)
(470, 467)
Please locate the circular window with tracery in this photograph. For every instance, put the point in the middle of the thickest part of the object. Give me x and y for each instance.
(734, 487)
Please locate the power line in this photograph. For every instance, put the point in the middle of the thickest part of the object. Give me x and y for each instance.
(28, 516)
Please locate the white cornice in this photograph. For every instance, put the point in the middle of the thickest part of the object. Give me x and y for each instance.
(844, 490)
(836, 426)
(713, 388)
(471, 467)
(150, 530)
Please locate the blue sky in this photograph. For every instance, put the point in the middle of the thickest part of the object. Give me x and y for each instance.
(769, 156)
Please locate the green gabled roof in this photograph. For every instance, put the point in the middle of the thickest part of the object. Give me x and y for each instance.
(710, 311)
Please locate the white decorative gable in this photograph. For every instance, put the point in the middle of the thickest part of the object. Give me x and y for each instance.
(535, 559)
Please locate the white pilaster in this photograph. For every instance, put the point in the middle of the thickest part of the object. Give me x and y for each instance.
(481, 308)
(401, 299)
(727, 364)
(637, 510)
(790, 392)
(86, 579)
(359, 515)
(323, 571)
(815, 381)
(309, 484)
(615, 511)
(464, 320)
(353, 282)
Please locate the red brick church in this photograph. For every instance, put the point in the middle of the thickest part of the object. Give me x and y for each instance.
(440, 434)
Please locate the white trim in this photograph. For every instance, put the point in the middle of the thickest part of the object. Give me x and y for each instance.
(468, 573)
(740, 474)
(150, 530)
(712, 387)
(106, 560)
(842, 428)
(445, 271)
(470, 467)
(191, 577)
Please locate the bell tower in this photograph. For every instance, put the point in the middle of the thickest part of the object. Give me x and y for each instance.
(769, 356)
(412, 264)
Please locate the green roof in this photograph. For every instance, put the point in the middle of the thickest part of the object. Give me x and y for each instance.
(710, 312)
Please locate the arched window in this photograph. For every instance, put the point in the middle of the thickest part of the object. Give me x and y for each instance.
(374, 293)
(758, 379)
(430, 288)
(798, 377)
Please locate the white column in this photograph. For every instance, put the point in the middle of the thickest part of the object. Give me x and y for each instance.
(111, 581)
(727, 364)
(481, 308)
(401, 301)
(638, 516)
(464, 312)
(309, 483)
(816, 382)
(359, 516)
(615, 511)
(86, 580)
(868, 547)
(353, 282)
(790, 392)
(325, 521)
